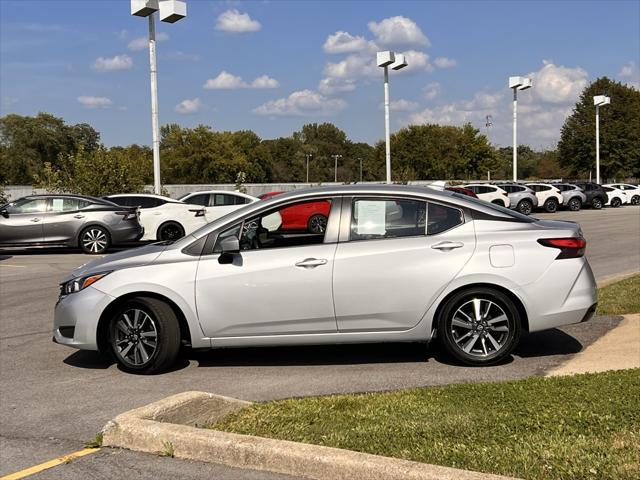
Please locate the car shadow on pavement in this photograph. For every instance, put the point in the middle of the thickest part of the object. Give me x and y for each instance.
(5, 257)
(546, 343)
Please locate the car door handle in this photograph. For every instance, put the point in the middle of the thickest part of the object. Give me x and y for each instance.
(35, 219)
(447, 246)
(78, 216)
(311, 262)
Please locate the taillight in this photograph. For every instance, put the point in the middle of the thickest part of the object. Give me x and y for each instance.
(572, 247)
(128, 215)
(198, 211)
(505, 194)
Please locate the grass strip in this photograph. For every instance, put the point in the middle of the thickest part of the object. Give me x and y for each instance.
(584, 426)
(620, 298)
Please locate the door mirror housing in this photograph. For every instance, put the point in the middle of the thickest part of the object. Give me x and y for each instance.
(4, 212)
(230, 246)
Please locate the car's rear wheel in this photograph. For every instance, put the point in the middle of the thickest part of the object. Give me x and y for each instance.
(144, 336)
(597, 203)
(616, 202)
(317, 223)
(170, 231)
(525, 207)
(551, 205)
(94, 240)
(479, 326)
(575, 204)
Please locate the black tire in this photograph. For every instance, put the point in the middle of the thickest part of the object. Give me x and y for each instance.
(317, 223)
(170, 231)
(597, 203)
(551, 205)
(616, 202)
(525, 207)
(575, 204)
(454, 341)
(94, 240)
(635, 200)
(161, 319)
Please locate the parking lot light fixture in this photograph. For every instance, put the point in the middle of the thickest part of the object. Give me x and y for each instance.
(308, 156)
(170, 12)
(396, 61)
(335, 168)
(517, 83)
(599, 101)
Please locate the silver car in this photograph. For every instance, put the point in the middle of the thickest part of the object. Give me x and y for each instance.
(395, 264)
(523, 199)
(93, 224)
(573, 196)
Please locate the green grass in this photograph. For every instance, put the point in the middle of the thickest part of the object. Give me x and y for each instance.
(579, 427)
(620, 298)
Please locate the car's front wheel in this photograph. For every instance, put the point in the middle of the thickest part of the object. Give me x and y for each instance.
(144, 336)
(575, 204)
(94, 240)
(635, 200)
(479, 326)
(525, 207)
(551, 205)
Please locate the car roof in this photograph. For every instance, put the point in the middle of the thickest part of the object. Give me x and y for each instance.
(228, 192)
(147, 195)
(66, 195)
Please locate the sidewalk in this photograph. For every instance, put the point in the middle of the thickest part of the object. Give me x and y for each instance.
(617, 350)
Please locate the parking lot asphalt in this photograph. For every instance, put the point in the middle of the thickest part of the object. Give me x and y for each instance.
(52, 399)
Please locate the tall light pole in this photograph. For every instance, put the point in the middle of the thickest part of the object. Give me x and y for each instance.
(170, 11)
(308, 155)
(517, 83)
(360, 169)
(335, 168)
(396, 61)
(599, 101)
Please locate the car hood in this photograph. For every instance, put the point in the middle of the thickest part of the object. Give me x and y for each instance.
(129, 258)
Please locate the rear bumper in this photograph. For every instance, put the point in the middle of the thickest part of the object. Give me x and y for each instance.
(126, 233)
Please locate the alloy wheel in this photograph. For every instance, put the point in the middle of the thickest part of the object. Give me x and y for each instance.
(135, 337)
(635, 200)
(615, 203)
(480, 327)
(525, 207)
(95, 240)
(318, 224)
(171, 232)
(574, 204)
(596, 203)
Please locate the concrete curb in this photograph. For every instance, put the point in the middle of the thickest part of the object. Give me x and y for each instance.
(611, 279)
(146, 430)
(618, 349)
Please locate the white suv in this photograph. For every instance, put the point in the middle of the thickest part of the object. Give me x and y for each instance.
(615, 197)
(490, 193)
(632, 191)
(549, 197)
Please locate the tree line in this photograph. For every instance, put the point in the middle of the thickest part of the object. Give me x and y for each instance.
(45, 151)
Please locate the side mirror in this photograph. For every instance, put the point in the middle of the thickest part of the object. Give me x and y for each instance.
(230, 246)
(4, 212)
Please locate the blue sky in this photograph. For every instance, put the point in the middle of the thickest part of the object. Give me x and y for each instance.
(271, 66)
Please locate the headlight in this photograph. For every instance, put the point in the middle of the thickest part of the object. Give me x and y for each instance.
(80, 283)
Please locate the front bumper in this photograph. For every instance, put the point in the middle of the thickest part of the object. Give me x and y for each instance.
(76, 318)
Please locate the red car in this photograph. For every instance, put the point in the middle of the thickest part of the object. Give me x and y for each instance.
(463, 191)
(311, 216)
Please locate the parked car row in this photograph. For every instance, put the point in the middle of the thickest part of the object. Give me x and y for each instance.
(525, 197)
(95, 224)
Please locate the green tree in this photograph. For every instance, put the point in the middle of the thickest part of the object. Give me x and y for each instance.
(619, 132)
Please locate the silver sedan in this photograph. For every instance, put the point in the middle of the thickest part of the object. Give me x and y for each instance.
(394, 264)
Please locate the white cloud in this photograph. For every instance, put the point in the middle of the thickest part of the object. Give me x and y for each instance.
(332, 86)
(402, 105)
(558, 84)
(431, 90)
(94, 102)
(188, 106)
(344, 42)
(416, 61)
(398, 31)
(264, 81)
(628, 69)
(233, 21)
(179, 55)
(228, 81)
(142, 43)
(301, 103)
(352, 67)
(119, 62)
(444, 62)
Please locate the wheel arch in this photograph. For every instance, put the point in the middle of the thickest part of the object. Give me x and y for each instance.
(512, 296)
(103, 322)
(89, 224)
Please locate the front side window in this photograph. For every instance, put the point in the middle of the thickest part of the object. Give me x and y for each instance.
(38, 205)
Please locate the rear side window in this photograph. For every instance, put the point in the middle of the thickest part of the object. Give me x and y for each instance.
(63, 204)
(223, 199)
(376, 218)
(442, 218)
